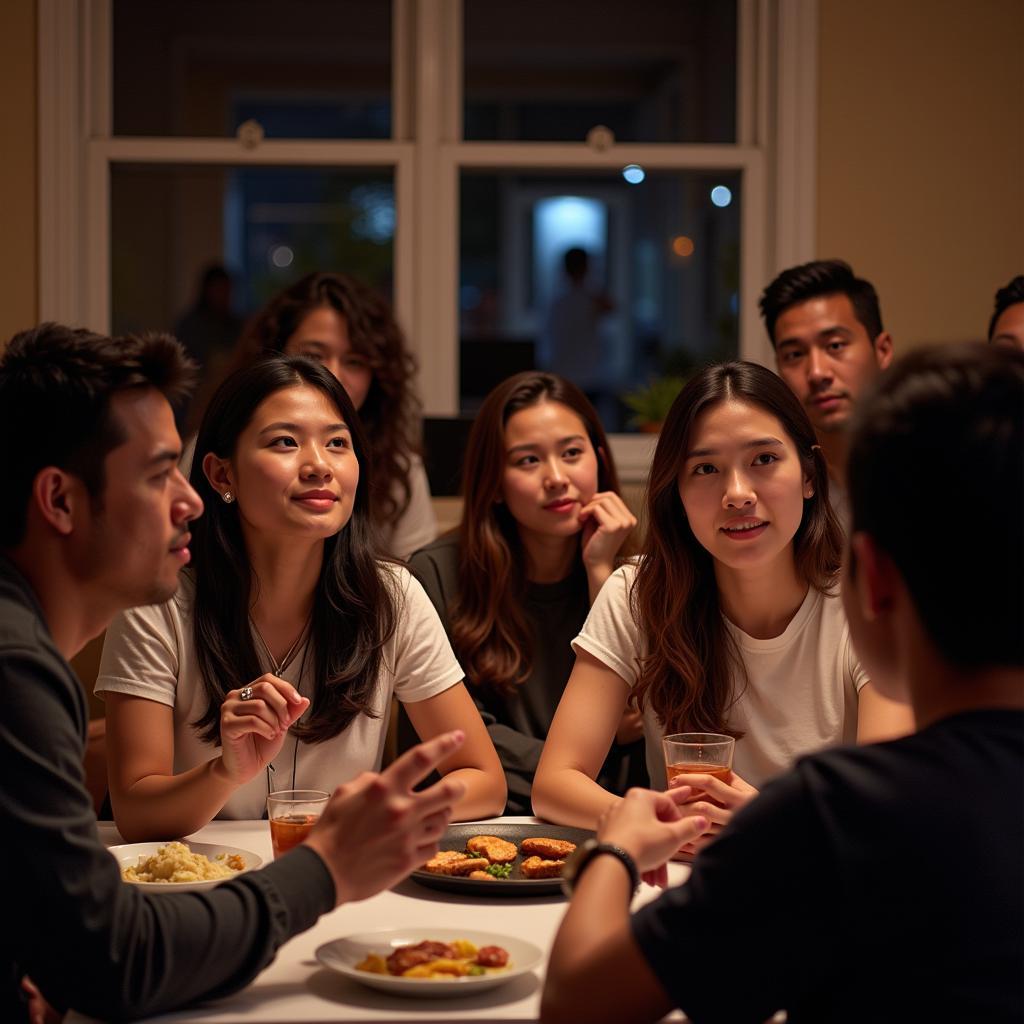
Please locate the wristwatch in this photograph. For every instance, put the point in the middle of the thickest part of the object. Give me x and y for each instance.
(585, 853)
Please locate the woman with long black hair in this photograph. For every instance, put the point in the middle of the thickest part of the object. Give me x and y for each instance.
(274, 665)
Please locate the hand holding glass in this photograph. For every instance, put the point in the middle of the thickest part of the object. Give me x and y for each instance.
(292, 814)
(698, 753)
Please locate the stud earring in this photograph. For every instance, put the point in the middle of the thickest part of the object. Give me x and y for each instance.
(228, 497)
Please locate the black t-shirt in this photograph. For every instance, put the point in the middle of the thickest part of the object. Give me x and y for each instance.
(878, 883)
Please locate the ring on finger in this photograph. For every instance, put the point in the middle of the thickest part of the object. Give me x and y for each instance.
(245, 693)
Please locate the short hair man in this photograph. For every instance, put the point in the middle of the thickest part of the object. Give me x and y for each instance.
(1007, 324)
(95, 518)
(825, 325)
(882, 882)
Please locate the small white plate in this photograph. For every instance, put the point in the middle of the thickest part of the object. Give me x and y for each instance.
(128, 854)
(342, 955)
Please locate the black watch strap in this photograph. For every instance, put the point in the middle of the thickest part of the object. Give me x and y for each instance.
(586, 852)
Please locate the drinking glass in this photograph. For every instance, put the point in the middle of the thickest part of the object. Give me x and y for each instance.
(705, 753)
(292, 813)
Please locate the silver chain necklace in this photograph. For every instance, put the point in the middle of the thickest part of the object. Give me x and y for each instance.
(277, 667)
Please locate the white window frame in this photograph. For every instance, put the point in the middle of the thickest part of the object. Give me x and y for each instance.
(775, 151)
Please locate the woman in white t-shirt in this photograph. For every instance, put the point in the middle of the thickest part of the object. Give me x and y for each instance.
(731, 621)
(274, 665)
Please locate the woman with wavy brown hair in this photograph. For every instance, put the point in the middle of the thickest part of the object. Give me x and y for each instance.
(344, 324)
(543, 527)
(731, 622)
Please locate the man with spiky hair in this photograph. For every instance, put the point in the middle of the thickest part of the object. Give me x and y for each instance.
(825, 325)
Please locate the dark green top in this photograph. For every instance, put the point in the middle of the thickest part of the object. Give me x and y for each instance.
(518, 723)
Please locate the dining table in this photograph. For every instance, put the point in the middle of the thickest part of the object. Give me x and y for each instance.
(295, 987)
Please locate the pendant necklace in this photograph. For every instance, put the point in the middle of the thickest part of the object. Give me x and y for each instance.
(276, 668)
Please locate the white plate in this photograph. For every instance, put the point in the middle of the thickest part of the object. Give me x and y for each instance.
(128, 854)
(342, 955)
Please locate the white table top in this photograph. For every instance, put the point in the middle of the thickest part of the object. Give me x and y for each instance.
(294, 987)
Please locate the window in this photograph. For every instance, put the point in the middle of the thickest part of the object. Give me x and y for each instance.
(436, 147)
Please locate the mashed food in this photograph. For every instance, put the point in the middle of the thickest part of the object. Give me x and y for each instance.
(175, 862)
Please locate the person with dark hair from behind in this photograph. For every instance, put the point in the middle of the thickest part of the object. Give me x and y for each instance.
(95, 519)
(825, 325)
(1007, 324)
(898, 894)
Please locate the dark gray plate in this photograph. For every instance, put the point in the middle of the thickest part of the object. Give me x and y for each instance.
(456, 837)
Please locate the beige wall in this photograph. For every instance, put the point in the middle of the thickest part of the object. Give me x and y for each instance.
(18, 247)
(920, 162)
(921, 155)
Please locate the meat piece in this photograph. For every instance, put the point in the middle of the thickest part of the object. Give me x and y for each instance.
(538, 867)
(405, 957)
(497, 851)
(419, 953)
(482, 876)
(454, 862)
(436, 949)
(492, 956)
(549, 849)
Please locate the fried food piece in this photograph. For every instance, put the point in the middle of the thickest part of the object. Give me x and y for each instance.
(482, 876)
(538, 867)
(497, 851)
(549, 849)
(454, 862)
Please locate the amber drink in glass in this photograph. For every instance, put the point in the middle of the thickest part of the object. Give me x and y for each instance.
(698, 753)
(292, 814)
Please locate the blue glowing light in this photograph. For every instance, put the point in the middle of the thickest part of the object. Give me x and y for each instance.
(721, 196)
(633, 173)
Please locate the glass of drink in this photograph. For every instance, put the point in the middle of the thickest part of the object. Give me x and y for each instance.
(292, 813)
(698, 753)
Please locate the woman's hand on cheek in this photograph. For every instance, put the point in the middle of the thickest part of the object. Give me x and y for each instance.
(252, 730)
(607, 522)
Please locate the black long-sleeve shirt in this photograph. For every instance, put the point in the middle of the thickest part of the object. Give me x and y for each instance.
(89, 941)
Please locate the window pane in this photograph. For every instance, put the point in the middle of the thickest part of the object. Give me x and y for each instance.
(266, 226)
(550, 70)
(306, 69)
(654, 295)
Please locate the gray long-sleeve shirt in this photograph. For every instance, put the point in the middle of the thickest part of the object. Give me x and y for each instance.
(89, 941)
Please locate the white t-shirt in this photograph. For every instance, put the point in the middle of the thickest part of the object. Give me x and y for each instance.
(149, 652)
(802, 686)
(417, 525)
